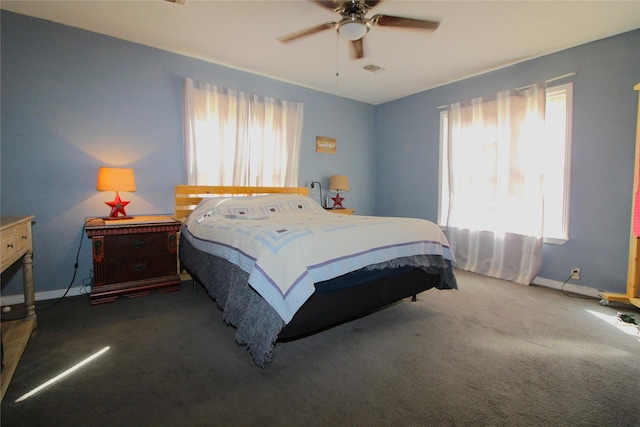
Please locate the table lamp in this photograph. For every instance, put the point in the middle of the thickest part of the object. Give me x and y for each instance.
(338, 183)
(116, 179)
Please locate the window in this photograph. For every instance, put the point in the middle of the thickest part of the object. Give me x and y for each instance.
(556, 147)
(236, 138)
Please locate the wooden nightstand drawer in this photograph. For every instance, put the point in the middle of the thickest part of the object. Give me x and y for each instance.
(133, 245)
(135, 268)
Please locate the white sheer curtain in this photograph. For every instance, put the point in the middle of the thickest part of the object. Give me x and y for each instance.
(495, 216)
(236, 138)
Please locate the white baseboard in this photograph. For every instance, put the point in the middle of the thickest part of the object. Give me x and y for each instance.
(83, 290)
(42, 296)
(569, 287)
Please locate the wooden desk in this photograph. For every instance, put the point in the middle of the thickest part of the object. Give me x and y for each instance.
(15, 243)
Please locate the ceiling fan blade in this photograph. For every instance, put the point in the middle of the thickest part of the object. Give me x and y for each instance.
(357, 49)
(327, 4)
(306, 32)
(397, 21)
(372, 3)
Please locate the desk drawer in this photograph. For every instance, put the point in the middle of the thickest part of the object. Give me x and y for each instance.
(9, 250)
(16, 241)
(23, 238)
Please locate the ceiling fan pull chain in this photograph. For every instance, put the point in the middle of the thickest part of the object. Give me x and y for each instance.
(337, 58)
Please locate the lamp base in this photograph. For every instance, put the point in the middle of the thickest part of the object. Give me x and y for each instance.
(117, 207)
(337, 201)
(112, 218)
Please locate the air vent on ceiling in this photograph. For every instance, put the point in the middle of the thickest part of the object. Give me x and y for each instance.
(373, 68)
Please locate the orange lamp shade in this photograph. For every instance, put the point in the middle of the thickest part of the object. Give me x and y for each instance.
(116, 179)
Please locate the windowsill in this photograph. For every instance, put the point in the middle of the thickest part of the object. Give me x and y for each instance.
(555, 240)
(546, 240)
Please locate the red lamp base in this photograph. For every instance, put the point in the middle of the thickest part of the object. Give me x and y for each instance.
(337, 201)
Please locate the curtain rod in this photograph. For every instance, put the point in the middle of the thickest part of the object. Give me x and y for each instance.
(553, 79)
(550, 80)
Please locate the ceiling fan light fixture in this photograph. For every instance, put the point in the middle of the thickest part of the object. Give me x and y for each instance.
(352, 28)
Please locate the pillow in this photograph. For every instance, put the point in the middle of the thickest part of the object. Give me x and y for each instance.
(233, 206)
(256, 207)
(276, 204)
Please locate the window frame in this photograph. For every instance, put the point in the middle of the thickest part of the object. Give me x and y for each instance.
(443, 181)
(568, 89)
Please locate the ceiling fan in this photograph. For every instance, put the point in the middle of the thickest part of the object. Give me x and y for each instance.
(353, 25)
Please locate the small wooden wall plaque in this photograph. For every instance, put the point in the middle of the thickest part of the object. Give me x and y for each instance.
(324, 144)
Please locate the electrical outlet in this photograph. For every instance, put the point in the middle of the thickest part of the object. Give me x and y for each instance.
(575, 273)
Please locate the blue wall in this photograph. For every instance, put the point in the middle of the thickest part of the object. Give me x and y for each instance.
(604, 123)
(73, 101)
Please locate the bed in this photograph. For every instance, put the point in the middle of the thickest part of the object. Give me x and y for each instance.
(280, 267)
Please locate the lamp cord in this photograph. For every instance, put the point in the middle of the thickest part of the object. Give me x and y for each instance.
(75, 271)
(572, 294)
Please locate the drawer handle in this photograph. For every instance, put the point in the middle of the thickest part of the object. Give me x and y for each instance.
(97, 249)
(9, 245)
(24, 237)
(138, 267)
(137, 244)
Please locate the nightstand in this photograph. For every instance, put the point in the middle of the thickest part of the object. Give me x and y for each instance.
(342, 211)
(133, 257)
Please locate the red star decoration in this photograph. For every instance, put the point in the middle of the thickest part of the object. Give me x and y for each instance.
(117, 206)
(337, 201)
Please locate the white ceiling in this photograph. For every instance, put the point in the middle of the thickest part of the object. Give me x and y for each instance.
(473, 37)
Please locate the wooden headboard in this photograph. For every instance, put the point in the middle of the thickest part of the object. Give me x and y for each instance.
(187, 197)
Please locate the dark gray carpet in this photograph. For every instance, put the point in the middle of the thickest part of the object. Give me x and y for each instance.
(493, 353)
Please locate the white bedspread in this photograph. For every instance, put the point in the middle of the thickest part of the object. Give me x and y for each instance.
(287, 243)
